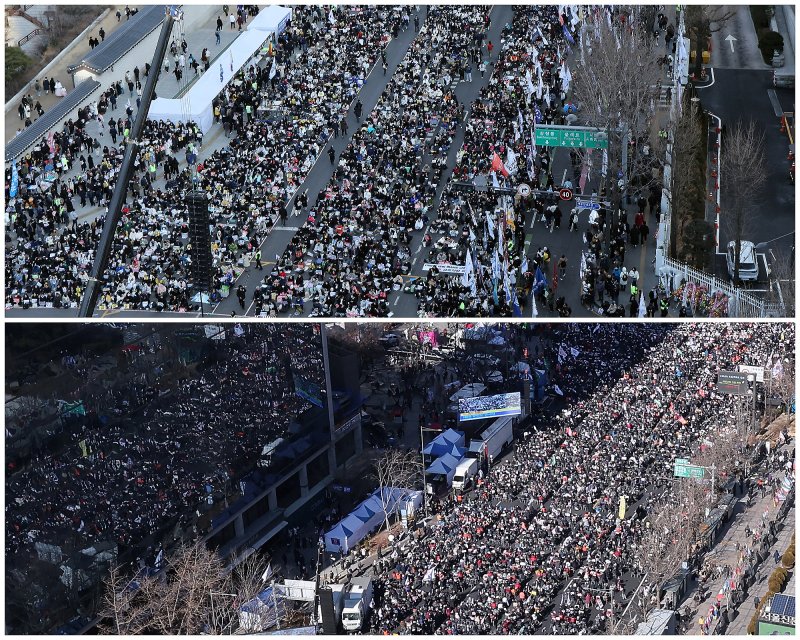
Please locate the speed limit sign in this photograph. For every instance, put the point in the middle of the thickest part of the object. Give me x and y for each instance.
(565, 194)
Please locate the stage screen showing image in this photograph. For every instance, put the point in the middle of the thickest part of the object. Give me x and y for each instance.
(482, 407)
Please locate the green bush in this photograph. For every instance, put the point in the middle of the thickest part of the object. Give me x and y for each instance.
(769, 43)
(788, 558)
(16, 62)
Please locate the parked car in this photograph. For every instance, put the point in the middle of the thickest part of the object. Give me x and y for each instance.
(748, 261)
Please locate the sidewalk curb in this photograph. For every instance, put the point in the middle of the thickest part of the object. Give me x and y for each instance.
(57, 59)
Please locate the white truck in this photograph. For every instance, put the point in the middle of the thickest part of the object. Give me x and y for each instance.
(357, 601)
(466, 471)
(494, 439)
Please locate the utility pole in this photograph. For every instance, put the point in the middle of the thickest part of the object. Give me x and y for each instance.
(424, 481)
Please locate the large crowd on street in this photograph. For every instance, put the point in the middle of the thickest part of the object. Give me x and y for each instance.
(133, 474)
(279, 116)
(354, 248)
(499, 560)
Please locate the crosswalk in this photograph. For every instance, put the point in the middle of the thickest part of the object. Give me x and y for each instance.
(663, 95)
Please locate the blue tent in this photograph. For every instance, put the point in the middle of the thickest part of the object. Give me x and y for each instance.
(444, 465)
(443, 443)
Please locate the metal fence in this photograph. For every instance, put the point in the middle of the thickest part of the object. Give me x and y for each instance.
(740, 303)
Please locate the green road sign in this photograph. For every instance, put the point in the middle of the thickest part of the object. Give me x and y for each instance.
(689, 471)
(573, 137)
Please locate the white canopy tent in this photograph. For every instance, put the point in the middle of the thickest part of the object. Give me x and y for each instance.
(368, 515)
(272, 18)
(196, 104)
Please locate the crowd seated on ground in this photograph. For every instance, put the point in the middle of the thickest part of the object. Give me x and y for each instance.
(354, 247)
(280, 114)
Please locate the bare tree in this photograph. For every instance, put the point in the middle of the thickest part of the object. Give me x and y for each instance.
(194, 594)
(614, 84)
(687, 178)
(396, 469)
(781, 380)
(743, 176)
(701, 22)
(670, 535)
(121, 605)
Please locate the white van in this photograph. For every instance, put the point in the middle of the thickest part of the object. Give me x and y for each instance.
(466, 470)
(748, 261)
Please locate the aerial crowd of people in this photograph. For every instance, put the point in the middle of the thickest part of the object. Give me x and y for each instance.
(144, 459)
(279, 116)
(545, 523)
(386, 201)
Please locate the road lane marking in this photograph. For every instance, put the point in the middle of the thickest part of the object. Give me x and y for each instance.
(776, 105)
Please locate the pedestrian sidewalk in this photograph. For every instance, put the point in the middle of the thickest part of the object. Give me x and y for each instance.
(728, 552)
(759, 588)
(59, 70)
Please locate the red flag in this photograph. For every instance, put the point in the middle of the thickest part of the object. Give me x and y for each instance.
(497, 165)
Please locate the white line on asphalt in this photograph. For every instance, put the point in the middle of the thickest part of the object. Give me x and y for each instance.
(706, 86)
(285, 228)
(776, 105)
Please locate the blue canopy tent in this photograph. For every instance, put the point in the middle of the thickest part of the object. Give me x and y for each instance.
(443, 443)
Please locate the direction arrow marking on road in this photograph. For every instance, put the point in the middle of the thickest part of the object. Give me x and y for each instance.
(731, 39)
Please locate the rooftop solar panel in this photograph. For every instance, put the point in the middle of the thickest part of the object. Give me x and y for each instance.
(782, 605)
(122, 40)
(51, 118)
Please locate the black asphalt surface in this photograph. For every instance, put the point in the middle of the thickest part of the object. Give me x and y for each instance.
(740, 95)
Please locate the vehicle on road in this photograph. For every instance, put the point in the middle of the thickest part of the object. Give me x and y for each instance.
(494, 439)
(356, 603)
(389, 340)
(466, 471)
(748, 262)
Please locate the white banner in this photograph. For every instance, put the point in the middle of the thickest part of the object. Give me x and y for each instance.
(445, 268)
(757, 371)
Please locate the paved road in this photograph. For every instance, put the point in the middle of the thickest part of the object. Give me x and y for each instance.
(745, 53)
(320, 175)
(740, 91)
(741, 95)
(405, 305)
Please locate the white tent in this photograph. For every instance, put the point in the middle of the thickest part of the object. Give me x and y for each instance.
(196, 104)
(271, 18)
(346, 534)
(364, 518)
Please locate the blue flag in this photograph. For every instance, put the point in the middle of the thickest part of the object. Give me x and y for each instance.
(540, 280)
(537, 115)
(14, 180)
(568, 35)
(515, 306)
